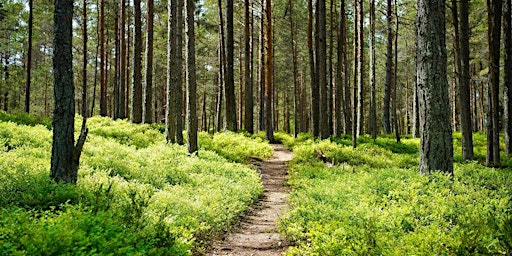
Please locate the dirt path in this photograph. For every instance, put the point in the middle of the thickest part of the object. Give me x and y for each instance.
(257, 234)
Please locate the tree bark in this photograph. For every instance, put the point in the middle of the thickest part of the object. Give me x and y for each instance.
(136, 106)
(494, 34)
(341, 110)
(389, 70)
(269, 68)
(122, 68)
(103, 59)
(356, 64)
(231, 121)
(360, 68)
(190, 56)
(297, 107)
(262, 69)
(65, 156)
(178, 76)
(29, 53)
(465, 84)
(373, 105)
(315, 94)
(248, 100)
(148, 85)
(507, 28)
(84, 60)
(436, 147)
(321, 64)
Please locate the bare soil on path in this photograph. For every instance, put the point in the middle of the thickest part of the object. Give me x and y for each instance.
(257, 234)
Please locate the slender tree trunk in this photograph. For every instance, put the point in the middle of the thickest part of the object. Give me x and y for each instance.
(190, 56)
(321, 64)
(230, 78)
(148, 85)
(170, 95)
(29, 53)
(340, 105)
(360, 70)
(507, 28)
(315, 94)
(84, 60)
(117, 64)
(269, 68)
(103, 59)
(457, 62)
(330, 99)
(356, 64)
(373, 105)
(465, 84)
(179, 73)
(436, 147)
(136, 106)
(122, 68)
(389, 69)
(494, 34)
(249, 103)
(396, 123)
(241, 74)
(297, 116)
(262, 68)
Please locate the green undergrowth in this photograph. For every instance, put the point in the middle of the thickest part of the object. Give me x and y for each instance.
(374, 202)
(136, 195)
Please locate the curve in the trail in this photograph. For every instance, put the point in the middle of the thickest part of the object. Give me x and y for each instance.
(257, 234)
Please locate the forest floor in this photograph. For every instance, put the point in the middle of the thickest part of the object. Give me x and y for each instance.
(257, 232)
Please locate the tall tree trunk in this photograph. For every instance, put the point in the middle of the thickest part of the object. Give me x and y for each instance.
(396, 123)
(230, 77)
(321, 64)
(494, 34)
(103, 59)
(465, 84)
(360, 66)
(170, 95)
(65, 156)
(347, 115)
(84, 60)
(330, 83)
(457, 62)
(297, 113)
(249, 103)
(29, 53)
(123, 60)
(356, 64)
(315, 93)
(262, 68)
(148, 85)
(436, 147)
(339, 106)
(269, 68)
(178, 76)
(190, 56)
(117, 63)
(507, 28)
(136, 106)
(373, 105)
(389, 69)
(240, 101)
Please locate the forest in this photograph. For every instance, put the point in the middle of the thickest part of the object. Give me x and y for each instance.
(379, 127)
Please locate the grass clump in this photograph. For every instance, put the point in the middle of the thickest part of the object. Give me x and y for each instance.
(136, 195)
(374, 202)
(235, 146)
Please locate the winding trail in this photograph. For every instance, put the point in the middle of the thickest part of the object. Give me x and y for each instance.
(257, 234)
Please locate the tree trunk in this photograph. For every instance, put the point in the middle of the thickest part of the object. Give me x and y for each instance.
(373, 105)
(262, 69)
(136, 106)
(170, 95)
(321, 64)
(356, 64)
(65, 156)
(330, 99)
(122, 68)
(240, 101)
(103, 59)
(297, 107)
(464, 84)
(507, 28)
(190, 56)
(269, 68)
(396, 123)
(436, 147)
(249, 103)
(315, 94)
(117, 64)
(389, 70)
(178, 76)
(148, 85)
(84, 61)
(340, 104)
(230, 77)
(29, 53)
(494, 34)
(360, 70)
